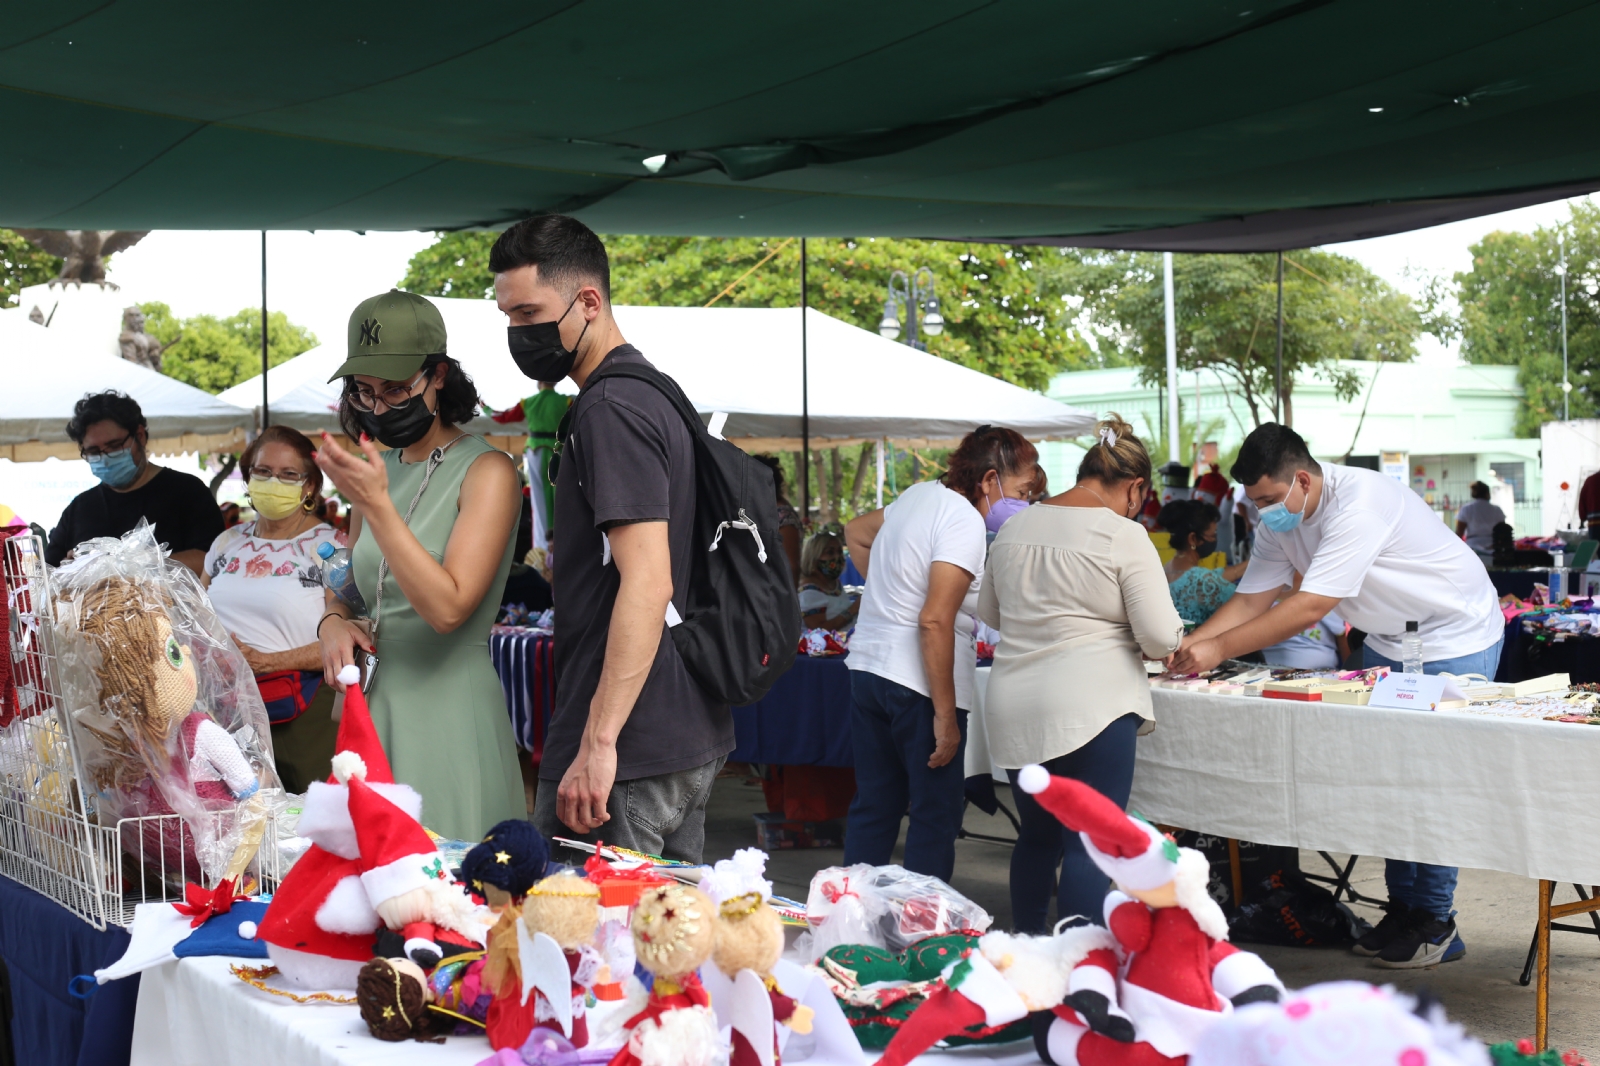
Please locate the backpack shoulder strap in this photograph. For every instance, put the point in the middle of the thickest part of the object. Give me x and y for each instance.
(662, 383)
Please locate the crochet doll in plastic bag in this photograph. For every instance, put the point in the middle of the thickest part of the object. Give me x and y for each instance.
(169, 755)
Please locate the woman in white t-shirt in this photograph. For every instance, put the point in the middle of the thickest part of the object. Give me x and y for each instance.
(912, 660)
(1078, 590)
(823, 601)
(266, 585)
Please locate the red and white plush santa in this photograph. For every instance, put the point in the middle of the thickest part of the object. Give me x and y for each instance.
(405, 876)
(1174, 974)
(1007, 977)
(320, 927)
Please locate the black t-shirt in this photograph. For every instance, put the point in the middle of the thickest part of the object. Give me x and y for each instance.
(180, 507)
(629, 458)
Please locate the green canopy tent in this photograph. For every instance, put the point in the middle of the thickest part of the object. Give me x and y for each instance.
(1182, 124)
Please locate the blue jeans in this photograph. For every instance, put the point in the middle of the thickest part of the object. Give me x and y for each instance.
(1104, 764)
(1420, 885)
(891, 732)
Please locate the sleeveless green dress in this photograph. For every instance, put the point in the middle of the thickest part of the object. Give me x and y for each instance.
(436, 699)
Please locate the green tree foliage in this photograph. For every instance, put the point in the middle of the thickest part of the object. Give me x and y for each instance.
(214, 353)
(456, 264)
(1226, 317)
(999, 320)
(1511, 314)
(21, 265)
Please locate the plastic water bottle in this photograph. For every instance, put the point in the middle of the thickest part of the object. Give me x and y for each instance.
(338, 578)
(1557, 583)
(1411, 650)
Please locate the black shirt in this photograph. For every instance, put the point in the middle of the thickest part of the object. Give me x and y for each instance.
(180, 507)
(629, 458)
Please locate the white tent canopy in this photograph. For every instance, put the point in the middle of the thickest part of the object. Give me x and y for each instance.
(46, 372)
(738, 360)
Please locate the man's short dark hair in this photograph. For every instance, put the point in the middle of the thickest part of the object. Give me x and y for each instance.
(566, 252)
(95, 407)
(1272, 451)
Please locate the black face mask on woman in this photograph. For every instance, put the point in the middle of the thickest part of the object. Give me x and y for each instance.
(398, 427)
(1205, 547)
(537, 348)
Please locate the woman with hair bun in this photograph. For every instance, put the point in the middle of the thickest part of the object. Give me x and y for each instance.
(912, 660)
(1077, 589)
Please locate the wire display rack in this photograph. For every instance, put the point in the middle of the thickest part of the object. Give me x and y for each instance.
(51, 836)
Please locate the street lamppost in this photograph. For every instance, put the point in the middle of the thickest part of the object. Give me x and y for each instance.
(913, 296)
(1566, 386)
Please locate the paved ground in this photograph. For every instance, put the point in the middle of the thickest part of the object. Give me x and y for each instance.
(1480, 990)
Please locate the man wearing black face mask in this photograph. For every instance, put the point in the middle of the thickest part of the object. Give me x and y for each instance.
(633, 744)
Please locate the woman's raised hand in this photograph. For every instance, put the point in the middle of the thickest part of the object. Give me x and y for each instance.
(363, 482)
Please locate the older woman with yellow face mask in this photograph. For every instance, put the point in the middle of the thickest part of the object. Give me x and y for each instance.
(265, 582)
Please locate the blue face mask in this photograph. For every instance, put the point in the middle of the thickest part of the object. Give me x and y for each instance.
(1278, 518)
(115, 470)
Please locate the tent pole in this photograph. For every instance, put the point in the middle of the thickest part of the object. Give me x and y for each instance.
(1277, 396)
(879, 446)
(1172, 361)
(805, 399)
(266, 418)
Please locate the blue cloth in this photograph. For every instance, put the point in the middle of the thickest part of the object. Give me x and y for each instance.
(1104, 764)
(1199, 592)
(851, 575)
(45, 946)
(1421, 885)
(803, 720)
(220, 934)
(891, 732)
(525, 661)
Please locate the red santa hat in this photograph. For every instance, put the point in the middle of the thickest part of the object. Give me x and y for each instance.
(1129, 850)
(397, 855)
(325, 816)
(358, 734)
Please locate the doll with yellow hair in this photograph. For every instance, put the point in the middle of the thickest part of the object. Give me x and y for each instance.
(555, 966)
(674, 932)
(750, 937)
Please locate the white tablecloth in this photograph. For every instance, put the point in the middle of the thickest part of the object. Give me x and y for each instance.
(193, 1012)
(1516, 795)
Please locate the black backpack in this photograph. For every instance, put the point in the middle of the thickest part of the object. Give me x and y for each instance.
(741, 625)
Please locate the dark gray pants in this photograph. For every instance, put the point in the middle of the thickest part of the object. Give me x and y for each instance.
(663, 815)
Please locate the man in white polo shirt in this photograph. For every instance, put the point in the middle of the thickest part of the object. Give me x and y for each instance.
(1371, 548)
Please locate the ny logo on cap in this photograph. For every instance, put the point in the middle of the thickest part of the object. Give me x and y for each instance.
(369, 331)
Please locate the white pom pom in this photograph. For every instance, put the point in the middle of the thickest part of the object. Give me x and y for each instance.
(1033, 779)
(247, 930)
(350, 674)
(348, 764)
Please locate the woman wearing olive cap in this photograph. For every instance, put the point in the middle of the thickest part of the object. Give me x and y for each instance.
(433, 518)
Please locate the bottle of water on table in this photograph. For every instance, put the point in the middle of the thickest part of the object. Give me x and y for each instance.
(339, 578)
(1411, 650)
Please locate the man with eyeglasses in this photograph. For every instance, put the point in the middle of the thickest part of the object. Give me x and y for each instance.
(110, 432)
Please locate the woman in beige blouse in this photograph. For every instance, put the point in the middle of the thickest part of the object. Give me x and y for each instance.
(1079, 596)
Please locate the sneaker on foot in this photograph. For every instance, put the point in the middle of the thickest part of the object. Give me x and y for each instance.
(1427, 943)
(1396, 920)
